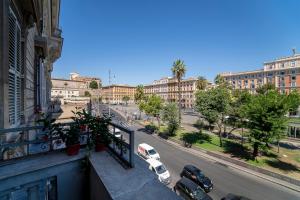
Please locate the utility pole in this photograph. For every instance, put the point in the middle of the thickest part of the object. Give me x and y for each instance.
(109, 96)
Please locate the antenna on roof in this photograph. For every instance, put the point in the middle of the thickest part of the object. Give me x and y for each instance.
(294, 51)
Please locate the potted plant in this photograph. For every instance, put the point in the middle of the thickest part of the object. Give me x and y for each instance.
(71, 138)
(100, 133)
(82, 118)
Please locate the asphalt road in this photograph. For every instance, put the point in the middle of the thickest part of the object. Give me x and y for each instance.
(225, 180)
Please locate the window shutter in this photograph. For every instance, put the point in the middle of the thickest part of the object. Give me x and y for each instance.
(15, 70)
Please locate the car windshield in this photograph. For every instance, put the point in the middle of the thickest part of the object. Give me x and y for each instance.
(199, 175)
(198, 193)
(160, 169)
(152, 152)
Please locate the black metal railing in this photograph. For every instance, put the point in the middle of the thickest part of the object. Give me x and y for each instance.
(16, 143)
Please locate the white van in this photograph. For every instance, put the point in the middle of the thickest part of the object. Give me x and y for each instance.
(160, 170)
(147, 152)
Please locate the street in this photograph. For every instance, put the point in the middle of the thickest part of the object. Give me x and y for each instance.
(226, 180)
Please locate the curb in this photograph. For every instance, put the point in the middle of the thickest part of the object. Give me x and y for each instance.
(232, 165)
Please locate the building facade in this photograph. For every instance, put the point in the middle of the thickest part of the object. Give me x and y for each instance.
(64, 88)
(114, 93)
(86, 79)
(167, 89)
(75, 86)
(284, 73)
(30, 42)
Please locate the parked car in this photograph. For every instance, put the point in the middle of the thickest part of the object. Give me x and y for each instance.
(189, 190)
(193, 173)
(160, 170)
(231, 196)
(146, 151)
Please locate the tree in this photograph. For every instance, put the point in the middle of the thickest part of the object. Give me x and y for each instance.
(170, 115)
(179, 70)
(201, 83)
(87, 94)
(264, 88)
(126, 99)
(293, 101)
(139, 93)
(152, 106)
(236, 109)
(221, 82)
(266, 114)
(213, 105)
(139, 96)
(93, 85)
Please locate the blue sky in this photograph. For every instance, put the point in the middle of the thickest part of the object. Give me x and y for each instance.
(138, 40)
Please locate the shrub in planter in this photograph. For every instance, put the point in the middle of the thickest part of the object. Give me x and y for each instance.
(100, 132)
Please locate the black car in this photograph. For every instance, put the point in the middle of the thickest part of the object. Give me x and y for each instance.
(193, 173)
(189, 190)
(234, 197)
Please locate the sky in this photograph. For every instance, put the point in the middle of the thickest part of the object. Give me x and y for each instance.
(138, 40)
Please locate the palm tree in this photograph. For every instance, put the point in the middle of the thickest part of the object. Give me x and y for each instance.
(179, 70)
(139, 96)
(139, 93)
(201, 83)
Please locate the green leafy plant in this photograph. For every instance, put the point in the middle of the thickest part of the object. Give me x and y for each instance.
(100, 131)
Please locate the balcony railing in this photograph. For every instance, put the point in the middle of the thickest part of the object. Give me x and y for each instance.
(18, 143)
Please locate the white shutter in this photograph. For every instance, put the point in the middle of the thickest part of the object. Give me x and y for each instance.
(15, 70)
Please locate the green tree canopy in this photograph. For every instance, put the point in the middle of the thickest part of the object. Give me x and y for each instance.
(201, 83)
(266, 114)
(152, 106)
(93, 85)
(265, 88)
(169, 114)
(126, 99)
(139, 93)
(213, 105)
(87, 94)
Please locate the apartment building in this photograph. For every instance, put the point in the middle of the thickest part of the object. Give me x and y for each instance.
(167, 89)
(283, 72)
(75, 86)
(114, 93)
(64, 88)
(86, 79)
(30, 42)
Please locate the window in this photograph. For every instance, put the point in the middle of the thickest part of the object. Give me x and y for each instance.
(15, 70)
(282, 65)
(293, 78)
(282, 73)
(293, 84)
(293, 63)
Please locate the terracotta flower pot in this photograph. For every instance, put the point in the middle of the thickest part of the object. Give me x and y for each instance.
(83, 128)
(100, 147)
(73, 149)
